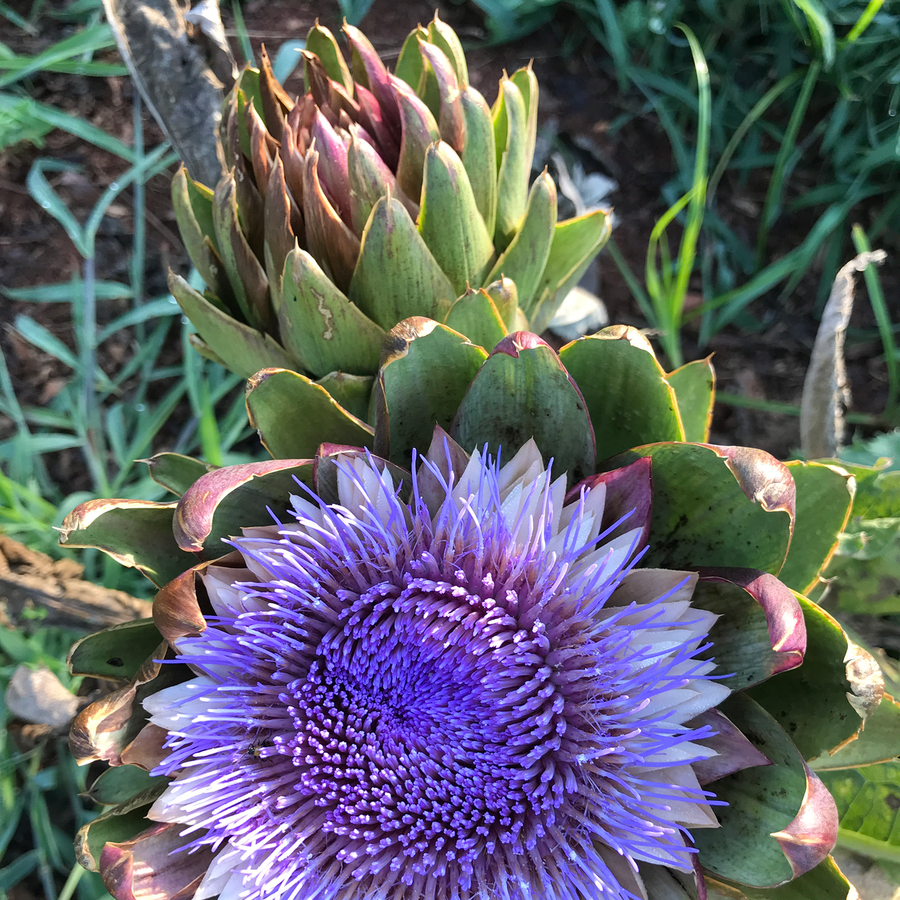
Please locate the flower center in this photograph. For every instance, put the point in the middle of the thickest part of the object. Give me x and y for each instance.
(426, 727)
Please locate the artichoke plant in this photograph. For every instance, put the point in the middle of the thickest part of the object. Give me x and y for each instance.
(538, 638)
(373, 197)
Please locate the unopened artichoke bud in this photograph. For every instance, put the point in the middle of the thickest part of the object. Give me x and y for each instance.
(404, 190)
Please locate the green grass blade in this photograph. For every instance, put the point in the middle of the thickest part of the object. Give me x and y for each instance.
(20, 22)
(17, 64)
(733, 302)
(18, 870)
(161, 306)
(615, 42)
(68, 291)
(863, 22)
(84, 42)
(39, 444)
(152, 164)
(688, 249)
(772, 204)
(51, 202)
(147, 428)
(146, 355)
(201, 403)
(57, 118)
(820, 28)
(242, 35)
(630, 279)
(752, 117)
(139, 238)
(37, 335)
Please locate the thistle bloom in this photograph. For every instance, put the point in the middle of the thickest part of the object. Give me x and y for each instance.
(455, 691)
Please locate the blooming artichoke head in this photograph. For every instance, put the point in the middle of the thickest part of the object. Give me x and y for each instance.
(449, 683)
(373, 197)
(445, 668)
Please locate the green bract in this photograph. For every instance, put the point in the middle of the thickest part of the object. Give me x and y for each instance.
(372, 198)
(758, 533)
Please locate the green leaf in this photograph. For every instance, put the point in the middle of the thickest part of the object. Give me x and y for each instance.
(449, 220)
(176, 472)
(824, 498)
(868, 800)
(115, 652)
(476, 316)
(409, 63)
(246, 90)
(320, 41)
(352, 392)
(192, 203)
(43, 339)
(864, 575)
(320, 327)
(505, 296)
(756, 837)
(522, 391)
(396, 275)
(118, 784)
(278, 234)
(237, 346)
(427, 370)
(868, 539)
(715, 506)
(419, 131)
(877, 492)
(625, 390)
(68, 291)
(52, 117)
(246, 275)
(742, 642)
(526, 81)
(695, 390)
(118, 824)
(824, 882)
(869, 586)
(370, 180)
(442, 35)
(510, 115)
(135, 533)
(18, 870)
(811, 702)
(662, 883)
(883, 448)
(229, 499)
(820, 27)
(877, 742)
(526, 256)
(83, 43)
(274, 397)
(575, 244)
(479, 153)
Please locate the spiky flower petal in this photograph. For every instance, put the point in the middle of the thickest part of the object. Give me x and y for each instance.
(466, 693)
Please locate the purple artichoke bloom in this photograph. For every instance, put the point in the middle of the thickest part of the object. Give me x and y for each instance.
(469, 693)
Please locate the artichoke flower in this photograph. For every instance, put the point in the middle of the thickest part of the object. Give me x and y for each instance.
(374, 197)
(540, 639)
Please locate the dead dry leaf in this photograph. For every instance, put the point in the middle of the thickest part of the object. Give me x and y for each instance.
(825, 390)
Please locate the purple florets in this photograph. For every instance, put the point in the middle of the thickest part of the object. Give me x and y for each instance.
(453, 699)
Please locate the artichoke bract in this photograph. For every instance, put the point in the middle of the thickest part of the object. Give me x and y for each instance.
(374, 197)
